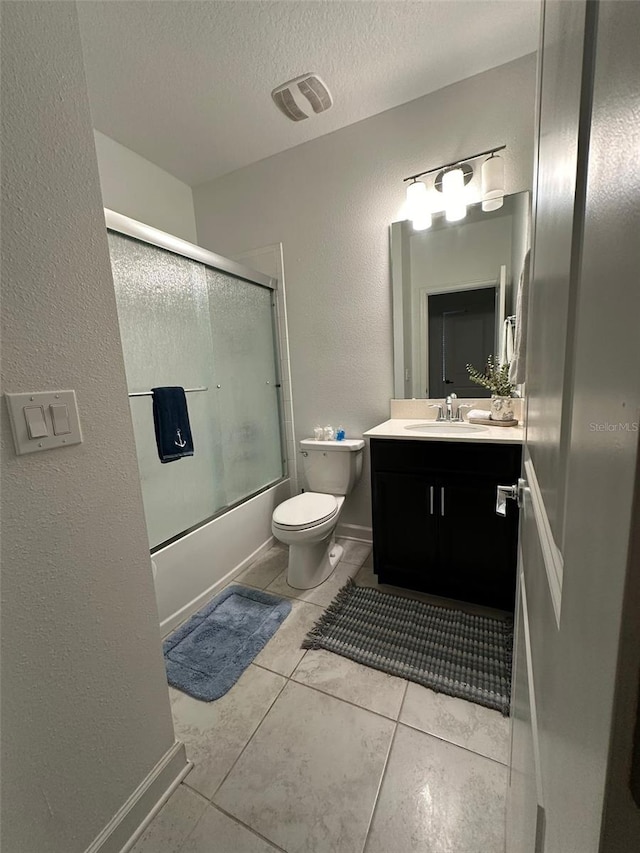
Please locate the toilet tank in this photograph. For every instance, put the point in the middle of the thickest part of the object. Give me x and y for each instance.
(332, 467)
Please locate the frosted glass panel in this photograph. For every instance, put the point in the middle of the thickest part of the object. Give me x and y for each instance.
(245, 369)
(169, 325)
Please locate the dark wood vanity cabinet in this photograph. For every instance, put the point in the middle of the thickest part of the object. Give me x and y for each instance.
(435, 526)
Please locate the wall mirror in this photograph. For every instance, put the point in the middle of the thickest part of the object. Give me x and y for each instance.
(454, 285)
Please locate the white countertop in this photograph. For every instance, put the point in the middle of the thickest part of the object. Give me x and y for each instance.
(395, 428)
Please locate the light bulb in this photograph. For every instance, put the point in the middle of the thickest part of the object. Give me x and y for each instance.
(492, 183)
(418, 206)
(422, 222)
(453, 192)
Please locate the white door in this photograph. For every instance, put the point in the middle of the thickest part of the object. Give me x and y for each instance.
(583, 403)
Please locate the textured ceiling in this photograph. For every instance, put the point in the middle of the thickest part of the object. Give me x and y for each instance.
(187, 84)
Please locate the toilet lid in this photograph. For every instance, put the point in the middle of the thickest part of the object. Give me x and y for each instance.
(305, 509)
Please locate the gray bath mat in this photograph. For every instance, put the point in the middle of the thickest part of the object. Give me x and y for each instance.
(208, 654)
(450, 651)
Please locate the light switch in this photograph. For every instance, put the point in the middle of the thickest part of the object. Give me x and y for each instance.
(60, 419)
(43, 420)
(36, 424)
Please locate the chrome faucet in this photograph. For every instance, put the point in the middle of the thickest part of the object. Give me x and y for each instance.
(451, 415)
(447, 412)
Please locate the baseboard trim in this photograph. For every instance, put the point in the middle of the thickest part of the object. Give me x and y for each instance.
(133, 817)
(172, 622)
(355, 531)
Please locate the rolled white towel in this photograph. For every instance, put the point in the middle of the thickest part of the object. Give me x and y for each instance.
(477, 413)
(506, 353)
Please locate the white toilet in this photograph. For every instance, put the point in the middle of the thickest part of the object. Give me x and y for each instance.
(306, 523)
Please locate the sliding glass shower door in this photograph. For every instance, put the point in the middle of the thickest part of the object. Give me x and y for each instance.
(246, 381)
(186, 323)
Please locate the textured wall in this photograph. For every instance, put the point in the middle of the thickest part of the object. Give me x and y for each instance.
(330, 202)
(85, 711)
(137, 188)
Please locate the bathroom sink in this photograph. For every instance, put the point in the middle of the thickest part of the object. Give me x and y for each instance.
(435, 427)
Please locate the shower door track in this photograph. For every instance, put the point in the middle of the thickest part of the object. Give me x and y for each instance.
(146, 234)
(222, 511)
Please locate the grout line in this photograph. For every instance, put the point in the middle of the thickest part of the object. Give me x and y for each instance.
(341, 699)
(251, 737)
(404, 699)
(195, 790)
(274, 671)
(297, 666)
(254, 586)
(349, 563)
(293, 597)
(246, 826)
(301, 600)
(325, 692)
(196, 824)
(451, 743)
(380, 783)
(224, 779)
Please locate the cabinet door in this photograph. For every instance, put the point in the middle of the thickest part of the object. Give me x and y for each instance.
(477, 547)
(404, 528)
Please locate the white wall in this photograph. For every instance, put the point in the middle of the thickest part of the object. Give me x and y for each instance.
(137, 188)
(85, 709)
(473, 251)
(330, 202)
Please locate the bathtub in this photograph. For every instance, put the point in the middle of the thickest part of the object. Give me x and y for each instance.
(198, 565)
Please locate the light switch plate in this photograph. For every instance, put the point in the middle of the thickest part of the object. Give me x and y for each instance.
(16, 403)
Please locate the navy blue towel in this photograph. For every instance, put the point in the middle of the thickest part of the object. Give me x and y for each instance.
(171, 420)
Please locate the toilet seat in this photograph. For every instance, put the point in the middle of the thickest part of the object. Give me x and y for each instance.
(306, 510)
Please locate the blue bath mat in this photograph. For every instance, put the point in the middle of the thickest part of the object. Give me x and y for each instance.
(208, 654)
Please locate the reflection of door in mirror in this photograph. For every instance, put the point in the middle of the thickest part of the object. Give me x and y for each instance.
(461, 330)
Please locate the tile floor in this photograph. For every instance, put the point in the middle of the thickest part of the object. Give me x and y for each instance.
(312, 753)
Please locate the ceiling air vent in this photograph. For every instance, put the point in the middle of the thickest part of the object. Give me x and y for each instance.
(289, 98)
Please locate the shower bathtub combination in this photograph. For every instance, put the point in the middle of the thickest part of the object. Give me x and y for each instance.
(191, 318)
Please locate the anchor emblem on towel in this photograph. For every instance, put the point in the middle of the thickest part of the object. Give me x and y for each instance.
(180, 442)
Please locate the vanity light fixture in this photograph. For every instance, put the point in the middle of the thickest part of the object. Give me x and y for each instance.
(450, 181)
(418, 206)
(453, 191)
(493, 183)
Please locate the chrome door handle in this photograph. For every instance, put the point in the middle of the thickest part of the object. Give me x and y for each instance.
(512, 493)
(431, 500)
(441, 500)
(503, 494)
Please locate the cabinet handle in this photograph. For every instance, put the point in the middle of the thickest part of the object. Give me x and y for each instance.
(431, 499)
(441, 500)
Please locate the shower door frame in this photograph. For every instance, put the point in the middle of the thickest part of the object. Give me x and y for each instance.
(121, 224)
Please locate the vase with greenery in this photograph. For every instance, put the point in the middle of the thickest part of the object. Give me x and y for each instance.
(496, 379)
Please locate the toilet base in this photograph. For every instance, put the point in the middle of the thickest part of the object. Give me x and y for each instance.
(311, 564)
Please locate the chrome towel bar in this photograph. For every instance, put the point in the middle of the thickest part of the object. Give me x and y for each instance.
(150, 393)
